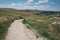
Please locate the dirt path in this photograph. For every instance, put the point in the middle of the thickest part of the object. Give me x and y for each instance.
(18, 31)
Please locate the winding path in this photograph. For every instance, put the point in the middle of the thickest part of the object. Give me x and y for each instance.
(18, 31)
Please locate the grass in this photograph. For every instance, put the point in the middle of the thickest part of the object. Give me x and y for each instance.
(6, 19)
(42, 24)
(5, 25)
(43, 28)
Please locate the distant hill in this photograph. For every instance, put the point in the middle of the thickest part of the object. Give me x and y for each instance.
(34, 11)
(42, 12)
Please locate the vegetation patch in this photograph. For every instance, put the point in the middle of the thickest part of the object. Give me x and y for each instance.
(42, 24)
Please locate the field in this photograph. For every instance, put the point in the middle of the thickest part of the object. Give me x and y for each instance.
(42, 25)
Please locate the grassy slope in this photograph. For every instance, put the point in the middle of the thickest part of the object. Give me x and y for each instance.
(41, 24)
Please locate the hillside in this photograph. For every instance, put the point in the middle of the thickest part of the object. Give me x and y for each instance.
(42, 25)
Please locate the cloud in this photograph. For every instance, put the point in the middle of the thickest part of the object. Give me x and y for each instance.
(42, 7)
(26, 6)
(19, 6)
(30, 1)
(43, 1)
(13, 4)
(36, 3)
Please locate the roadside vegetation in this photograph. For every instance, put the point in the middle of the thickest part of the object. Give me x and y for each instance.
(6, 19)
(40, 24)
(43, 25)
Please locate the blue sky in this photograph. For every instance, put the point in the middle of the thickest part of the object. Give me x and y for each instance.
(52, 5)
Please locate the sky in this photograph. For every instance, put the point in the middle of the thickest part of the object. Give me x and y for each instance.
(50, 5)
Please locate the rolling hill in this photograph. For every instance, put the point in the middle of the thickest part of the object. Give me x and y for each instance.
(42, 25)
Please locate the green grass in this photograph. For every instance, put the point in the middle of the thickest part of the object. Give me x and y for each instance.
(6, 19)
(5, 25)
(43, 28)
(32, 21)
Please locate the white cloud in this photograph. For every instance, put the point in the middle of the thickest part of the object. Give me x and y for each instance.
(19, 4)
(40, 7)
(43, 1)
(36, 3)
(30, 1)
(12, 4)
(24, 6)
